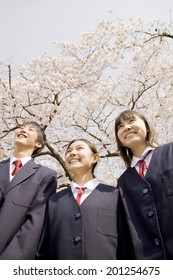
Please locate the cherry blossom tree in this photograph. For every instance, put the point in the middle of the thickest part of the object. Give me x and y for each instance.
(79, 92)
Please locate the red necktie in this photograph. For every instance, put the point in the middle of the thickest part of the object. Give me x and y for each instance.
(142, 165)
(18, 165)
(79, 194)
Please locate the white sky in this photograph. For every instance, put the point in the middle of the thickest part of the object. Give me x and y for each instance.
(29, 27)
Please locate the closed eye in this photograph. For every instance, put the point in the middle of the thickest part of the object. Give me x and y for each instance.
(80, 147)
(68, 151)
(132, 120)
(120, 126)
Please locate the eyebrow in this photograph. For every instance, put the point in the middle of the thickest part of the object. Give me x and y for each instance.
(70, 148)
(126, 119)
(28, 125)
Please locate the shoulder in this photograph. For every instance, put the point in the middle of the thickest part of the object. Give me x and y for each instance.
(128, 172)
(5, 161)
(44, 174)
(46, 169)
(166, 148)
(60, 194)
(106, 187)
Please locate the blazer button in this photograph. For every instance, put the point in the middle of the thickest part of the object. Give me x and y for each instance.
(77, 239)
(145, 191)
(156, 241)
(77, 215)
(150, 213)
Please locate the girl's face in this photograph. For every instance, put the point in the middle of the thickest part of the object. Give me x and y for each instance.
(79, 157)
(132, 133)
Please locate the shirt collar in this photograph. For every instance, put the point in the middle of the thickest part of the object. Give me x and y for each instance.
(136, 159)
(92, 184)
(23, 160)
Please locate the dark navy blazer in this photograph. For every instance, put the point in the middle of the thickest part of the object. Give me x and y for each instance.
(88, 231)
(148, 205)
(22, 208)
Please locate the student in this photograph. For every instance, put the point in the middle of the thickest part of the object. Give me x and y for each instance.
(87, 230)
(146, 187)
(24, 190)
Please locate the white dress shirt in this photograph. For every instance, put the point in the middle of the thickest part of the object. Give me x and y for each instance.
(135, 160)
(90, 185)
(12, 166)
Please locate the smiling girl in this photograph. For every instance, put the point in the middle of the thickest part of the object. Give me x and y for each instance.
(146, 187)
(85, 229)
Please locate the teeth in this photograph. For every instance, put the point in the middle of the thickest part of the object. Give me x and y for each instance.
(74, 160)
(21, 136)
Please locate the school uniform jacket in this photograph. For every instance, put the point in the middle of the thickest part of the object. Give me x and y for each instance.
(88, 231)
(148, 204)
(22, 208)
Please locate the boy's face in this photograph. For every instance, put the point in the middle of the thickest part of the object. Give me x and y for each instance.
(26, 136)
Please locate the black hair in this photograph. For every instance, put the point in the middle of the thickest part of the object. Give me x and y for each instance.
(125, 152)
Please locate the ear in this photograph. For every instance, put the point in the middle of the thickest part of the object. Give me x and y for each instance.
(38, 145)
(96, 158)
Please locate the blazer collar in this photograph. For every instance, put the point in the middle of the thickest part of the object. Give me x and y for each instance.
(24, 173)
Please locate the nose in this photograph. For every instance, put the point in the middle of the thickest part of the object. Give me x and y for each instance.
(72, 152)
(127, 126)
(22, 130)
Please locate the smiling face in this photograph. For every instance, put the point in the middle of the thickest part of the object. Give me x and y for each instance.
(132, 133)
(80, 158)
(26, 138)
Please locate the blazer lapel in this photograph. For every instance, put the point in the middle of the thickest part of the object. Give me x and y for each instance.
(25, 172)
(154, 165)
(4, 176)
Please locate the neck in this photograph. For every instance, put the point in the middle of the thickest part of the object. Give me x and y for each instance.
(82, 179)
(21, 154)
(138, 151)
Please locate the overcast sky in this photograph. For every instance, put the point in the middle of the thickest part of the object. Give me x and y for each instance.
(29, 27)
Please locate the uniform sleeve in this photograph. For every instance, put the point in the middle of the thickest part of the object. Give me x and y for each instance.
(25, 243)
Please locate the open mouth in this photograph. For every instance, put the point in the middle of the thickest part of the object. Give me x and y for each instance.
(21, 135)
(74, 160)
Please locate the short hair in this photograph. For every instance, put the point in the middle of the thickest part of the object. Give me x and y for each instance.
(125, 152)
(90, 145)
(41, 136)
